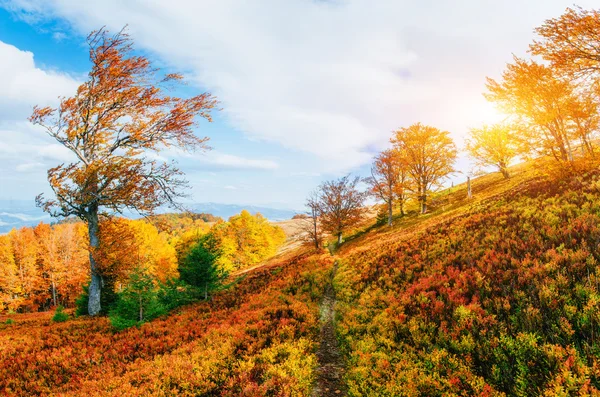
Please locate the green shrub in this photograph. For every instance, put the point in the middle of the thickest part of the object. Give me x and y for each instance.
(59, 315)
(175, 293)
(139, 302)
(9, 321)
(199, 269)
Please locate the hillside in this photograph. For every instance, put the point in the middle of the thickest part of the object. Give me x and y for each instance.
(497, 295)
(493, 296)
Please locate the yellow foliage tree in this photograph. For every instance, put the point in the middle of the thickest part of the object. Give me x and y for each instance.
(134, 244)
(555, 114)
(494, 145)
(245, 240)
(185, 240)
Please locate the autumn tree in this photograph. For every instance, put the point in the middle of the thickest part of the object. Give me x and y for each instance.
(585, 118)
(48, 260)
(387, 180)
(493, 145)
(341, 205)
(553, 112)
(116, 117)
(570, 43)
(74, 262)
(245, 240)
(310, 225)
(28, 278)
(127, 245)
(428, 154)
(8, 274)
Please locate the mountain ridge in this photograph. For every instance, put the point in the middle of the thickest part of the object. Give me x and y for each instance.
(20, 213)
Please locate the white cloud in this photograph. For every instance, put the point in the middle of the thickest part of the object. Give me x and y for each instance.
(305, 174)
(219, 160)
(27, 147)
(26, 167)
(59, 36)
(25, 85)
(230, 187)
(23, 217)
(329, 78)
(23, 147)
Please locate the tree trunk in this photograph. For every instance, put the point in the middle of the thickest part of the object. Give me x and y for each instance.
(469, 192)
(423, 200)
(53, 291)
(390, 212)
(316, 232)
(339, 238)
(96, 281)
(569, 150)
(141, 309)
(205, 291)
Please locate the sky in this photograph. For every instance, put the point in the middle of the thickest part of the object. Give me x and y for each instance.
(310, 90)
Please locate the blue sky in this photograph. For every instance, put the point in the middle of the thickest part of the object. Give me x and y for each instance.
(310, 90)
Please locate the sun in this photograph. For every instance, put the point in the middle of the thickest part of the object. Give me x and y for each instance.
(485, 112)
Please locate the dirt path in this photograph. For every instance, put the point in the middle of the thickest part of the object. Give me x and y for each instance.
(331, 365)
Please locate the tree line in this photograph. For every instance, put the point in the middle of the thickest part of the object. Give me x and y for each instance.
(148, 266)
(551, 107)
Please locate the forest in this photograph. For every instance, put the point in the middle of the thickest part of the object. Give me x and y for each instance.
(396, 283)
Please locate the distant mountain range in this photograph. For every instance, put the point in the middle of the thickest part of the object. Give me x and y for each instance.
(19, 213)
(227, 210)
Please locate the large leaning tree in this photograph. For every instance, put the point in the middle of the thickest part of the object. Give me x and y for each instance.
(112, 126)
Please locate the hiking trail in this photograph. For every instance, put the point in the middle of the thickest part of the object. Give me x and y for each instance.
(330, 372)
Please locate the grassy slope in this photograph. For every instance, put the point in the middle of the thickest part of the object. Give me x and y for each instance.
(255, 339)
(493, 296)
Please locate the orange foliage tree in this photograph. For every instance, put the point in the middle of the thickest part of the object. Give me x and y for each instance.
(341, 205)
(118, 115)
(570, 42)
(42, 266)
(429, 155)
(61, 261)
(388, 180)
(27, 278)
(555, 114)
(8, 274)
